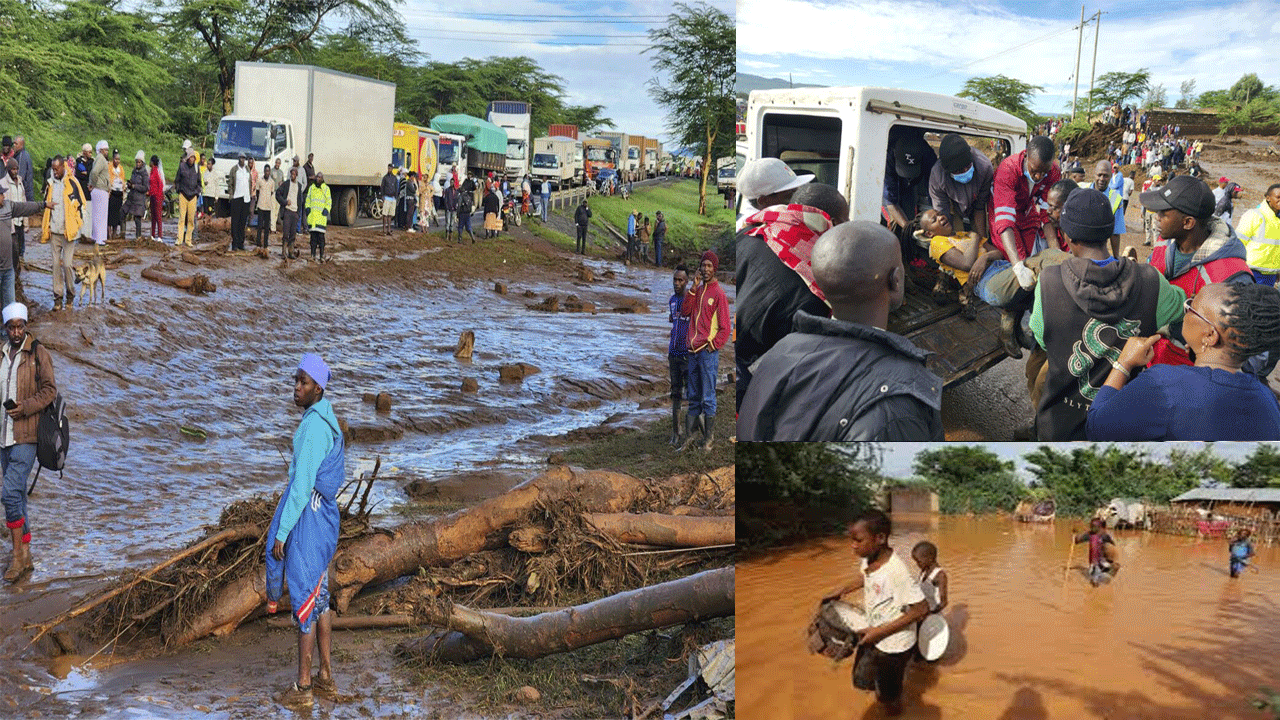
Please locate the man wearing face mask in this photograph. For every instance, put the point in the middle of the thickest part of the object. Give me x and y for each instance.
(960, 184)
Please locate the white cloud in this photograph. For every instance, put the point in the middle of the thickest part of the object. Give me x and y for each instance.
(757, 65)
(1213, 44)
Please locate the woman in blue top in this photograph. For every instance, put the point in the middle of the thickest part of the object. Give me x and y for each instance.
(1225, 324)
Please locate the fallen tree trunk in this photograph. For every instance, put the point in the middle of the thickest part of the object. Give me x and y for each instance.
(476, 634)
(399, 620)
(198, 284)
(385, 556)
(664, 530)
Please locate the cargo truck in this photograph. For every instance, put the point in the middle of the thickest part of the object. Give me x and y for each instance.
(513, 117)
(840, 135)
(282, 111)
(416, 149)
(554, 161)
(651, 149)
(453, 156)
(485, 146)
(561, 130)
(598, 154)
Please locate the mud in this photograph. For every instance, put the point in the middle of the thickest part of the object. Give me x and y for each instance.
(1173, 637)
(386, 314)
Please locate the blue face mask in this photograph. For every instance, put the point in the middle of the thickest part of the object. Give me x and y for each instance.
(963, 177)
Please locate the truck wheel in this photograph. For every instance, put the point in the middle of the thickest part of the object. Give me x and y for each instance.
(346, 209)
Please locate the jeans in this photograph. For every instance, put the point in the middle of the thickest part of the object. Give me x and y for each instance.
(546, 204)
(984, 292)
(1268, 279)
(703, 366)
(264, 227)
(657, 251)
(580, 245)
(17, 461)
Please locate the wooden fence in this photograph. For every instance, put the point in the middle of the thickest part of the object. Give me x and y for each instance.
(1222, 521)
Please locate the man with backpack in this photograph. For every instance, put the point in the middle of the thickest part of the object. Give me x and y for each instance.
(26, 388)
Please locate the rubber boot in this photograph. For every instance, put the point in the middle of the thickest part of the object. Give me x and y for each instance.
(693, 424)
(675, 424)
(708, 432)
(1008, 334)
(21, 561)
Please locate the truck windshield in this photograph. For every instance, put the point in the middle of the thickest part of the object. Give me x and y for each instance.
(546, 161)
(515, 149)
(242, 136)
(599, 154)
(448, 152)
(633, 153)
(728, 171)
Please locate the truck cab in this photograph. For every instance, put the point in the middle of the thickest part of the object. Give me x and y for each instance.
(841, 135)
(263, 139)
(453, 154)
(558, 160)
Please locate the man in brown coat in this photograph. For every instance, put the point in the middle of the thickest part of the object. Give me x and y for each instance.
(26, 388)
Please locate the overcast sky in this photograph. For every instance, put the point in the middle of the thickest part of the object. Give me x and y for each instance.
(595, 47)
(936, 46)
(899, 456)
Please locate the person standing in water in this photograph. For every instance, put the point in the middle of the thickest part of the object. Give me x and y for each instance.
(933, 579)
(1102, 564)
(304, 531)
(1241, 551)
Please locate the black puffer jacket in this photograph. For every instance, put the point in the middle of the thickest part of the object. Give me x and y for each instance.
(836, 380)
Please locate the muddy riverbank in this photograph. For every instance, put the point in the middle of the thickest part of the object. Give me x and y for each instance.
(387, 315)
(1172, 637)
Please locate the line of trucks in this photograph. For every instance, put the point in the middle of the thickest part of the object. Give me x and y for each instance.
(282, 111)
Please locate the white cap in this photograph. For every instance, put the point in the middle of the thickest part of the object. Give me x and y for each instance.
(103, 145)
(186, 144)
(766, 176)
(14, 310)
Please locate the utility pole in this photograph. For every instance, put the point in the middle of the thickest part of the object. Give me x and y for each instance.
(1079, 44)
(1097, 28)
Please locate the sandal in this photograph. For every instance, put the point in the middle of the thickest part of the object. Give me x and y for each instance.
(296, 697)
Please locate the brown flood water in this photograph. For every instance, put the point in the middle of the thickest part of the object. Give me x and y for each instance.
(1172, 637)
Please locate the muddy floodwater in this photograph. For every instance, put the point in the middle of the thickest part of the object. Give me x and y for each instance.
(1172, 637)
(136, 372)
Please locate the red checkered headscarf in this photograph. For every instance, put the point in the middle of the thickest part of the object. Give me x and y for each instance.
(790, 231)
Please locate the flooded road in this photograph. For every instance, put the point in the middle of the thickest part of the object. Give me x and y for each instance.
(1172, 637)
(136, 487)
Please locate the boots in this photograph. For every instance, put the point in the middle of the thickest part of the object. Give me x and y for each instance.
(692, 425)
(708, 431)
(675, 424)
(1009, 334)
(21, 562)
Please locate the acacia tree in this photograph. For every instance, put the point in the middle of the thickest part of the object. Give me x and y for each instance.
(697, 48)
(1005, 93)
(1116, 88)
(256, 30)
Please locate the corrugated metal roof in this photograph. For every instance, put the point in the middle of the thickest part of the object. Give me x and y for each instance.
(1239, 495)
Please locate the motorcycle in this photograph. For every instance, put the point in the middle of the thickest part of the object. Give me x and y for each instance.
(510, 213)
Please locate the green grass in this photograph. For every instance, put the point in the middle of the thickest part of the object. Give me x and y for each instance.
(678, 201)
(555, 237)
(645, 452)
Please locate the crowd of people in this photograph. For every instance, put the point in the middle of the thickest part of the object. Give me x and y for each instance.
(1175, 348)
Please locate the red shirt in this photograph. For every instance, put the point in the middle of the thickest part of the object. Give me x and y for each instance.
(1015, 205)
(708, 311)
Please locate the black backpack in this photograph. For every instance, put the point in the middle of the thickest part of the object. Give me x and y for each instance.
(53, 432)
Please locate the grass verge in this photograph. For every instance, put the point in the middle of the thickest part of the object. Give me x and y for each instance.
(678, 201)
(645, 452)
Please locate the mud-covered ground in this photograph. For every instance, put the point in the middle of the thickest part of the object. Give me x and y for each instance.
(386, 314)
(995, 404)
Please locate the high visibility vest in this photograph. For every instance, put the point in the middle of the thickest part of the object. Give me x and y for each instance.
(1259, 228)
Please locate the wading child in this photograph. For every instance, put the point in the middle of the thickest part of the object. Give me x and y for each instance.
(304, 531)
(1102, 563)
(933, 579)
(1241, 551)
(678, 348)
(893, 604)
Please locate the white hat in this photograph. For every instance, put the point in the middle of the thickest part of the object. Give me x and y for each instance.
(87, 146)
(766, 176)
(140, 156)
(14, 310)
(102, 145)
(186, 144)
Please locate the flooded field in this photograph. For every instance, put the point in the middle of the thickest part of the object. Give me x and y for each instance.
(137, 371)
(1173, 637)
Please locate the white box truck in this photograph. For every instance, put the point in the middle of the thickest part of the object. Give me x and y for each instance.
(515, 118)
(286, 110)
(557, 159)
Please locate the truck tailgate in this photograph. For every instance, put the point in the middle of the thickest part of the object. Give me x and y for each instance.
(961, 349)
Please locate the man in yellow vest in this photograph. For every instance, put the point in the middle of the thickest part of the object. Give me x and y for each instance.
(1102, 183)
(1259, 228)
(319, 203)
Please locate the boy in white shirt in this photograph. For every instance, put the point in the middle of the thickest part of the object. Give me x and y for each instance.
(893, 604)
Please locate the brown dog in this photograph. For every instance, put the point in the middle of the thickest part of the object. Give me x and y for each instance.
(89, 275)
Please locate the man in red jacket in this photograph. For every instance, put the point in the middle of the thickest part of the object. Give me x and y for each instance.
(708, 311)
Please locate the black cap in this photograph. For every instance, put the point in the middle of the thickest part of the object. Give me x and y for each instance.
(955, 154)
(1075, 167)
(1183, 193)
(908, 156)
(6, 141)
(1087, 217)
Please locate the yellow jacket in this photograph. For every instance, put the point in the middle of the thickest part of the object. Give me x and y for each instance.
(1259, 229)
(72, 204)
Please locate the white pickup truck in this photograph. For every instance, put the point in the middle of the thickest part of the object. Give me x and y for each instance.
(840, 135)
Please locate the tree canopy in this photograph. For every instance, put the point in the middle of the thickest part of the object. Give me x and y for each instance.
(697, 48)
(1081, 478)
(969, 479)
(1005, 93)
(1120, 87)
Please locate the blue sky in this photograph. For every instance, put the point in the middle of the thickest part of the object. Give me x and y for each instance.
(898, 457)
(936, 46)
(600, 62)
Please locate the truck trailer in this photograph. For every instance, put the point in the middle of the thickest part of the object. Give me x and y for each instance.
(485, 146)
(562, 130)
(514, 117)
(557, 160)
(282, 111)
(652, 148)
(415, 148)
